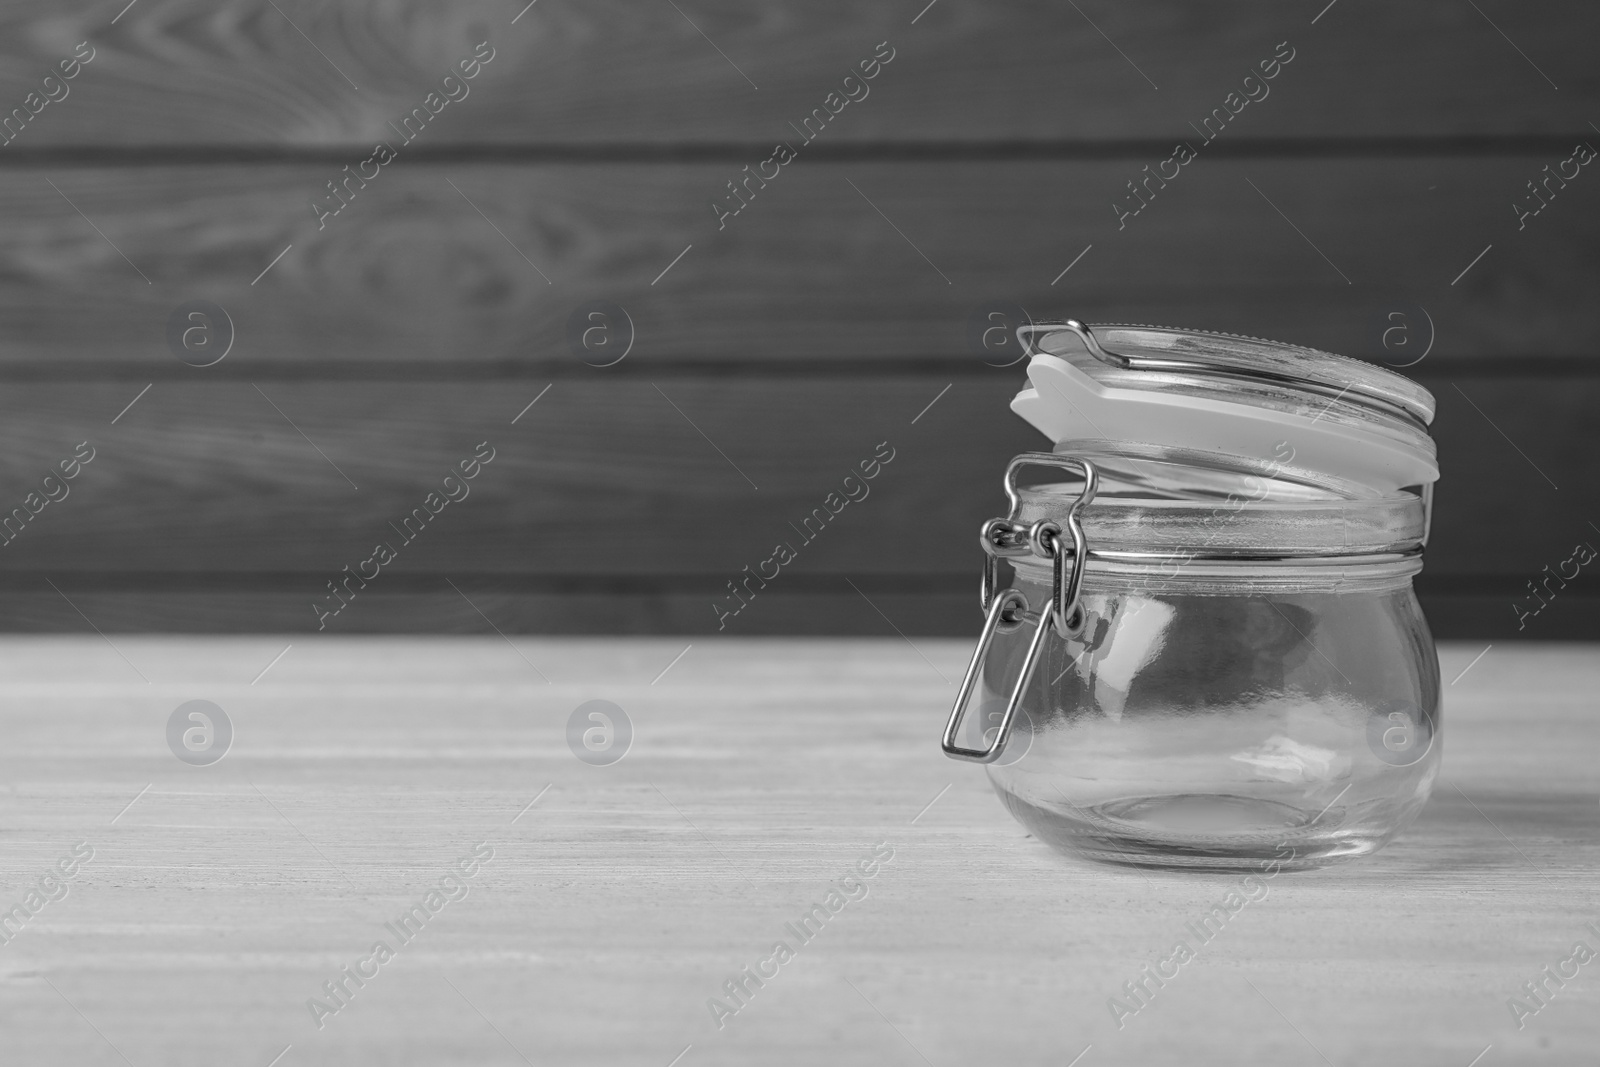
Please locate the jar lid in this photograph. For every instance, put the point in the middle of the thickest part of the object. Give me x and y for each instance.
(1320, 419)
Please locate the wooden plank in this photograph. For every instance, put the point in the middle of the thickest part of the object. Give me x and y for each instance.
(619, 902)
(195, 72)
(598, 475)
(621, 477)
(886, 261)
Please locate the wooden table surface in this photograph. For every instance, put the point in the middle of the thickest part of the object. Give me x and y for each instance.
(219, 901)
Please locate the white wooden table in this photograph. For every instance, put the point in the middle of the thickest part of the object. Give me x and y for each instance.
(220, 900)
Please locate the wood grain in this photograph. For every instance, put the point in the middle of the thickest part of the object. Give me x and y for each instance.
(223, 897)
(831, 262)
(193, 72)
(627, 504)
(582, 167)
(633, 478)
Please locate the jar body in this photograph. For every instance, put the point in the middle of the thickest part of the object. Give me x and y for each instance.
(1209, 724)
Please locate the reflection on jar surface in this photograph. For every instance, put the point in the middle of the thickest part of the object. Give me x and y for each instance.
(1198, 728)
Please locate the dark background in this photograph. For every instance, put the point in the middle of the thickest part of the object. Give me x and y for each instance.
(776, 352)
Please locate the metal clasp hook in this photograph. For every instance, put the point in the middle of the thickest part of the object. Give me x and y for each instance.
(1008, 538)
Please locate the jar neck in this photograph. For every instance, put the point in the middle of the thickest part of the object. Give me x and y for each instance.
(1241, 577)
(1172, 501)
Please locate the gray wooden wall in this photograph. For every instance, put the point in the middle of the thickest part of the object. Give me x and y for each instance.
(770, 355)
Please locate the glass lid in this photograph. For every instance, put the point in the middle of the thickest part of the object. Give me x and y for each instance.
(1229, 403)
(1113, 348)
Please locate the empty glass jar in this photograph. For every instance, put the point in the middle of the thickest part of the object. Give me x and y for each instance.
(1206, 659)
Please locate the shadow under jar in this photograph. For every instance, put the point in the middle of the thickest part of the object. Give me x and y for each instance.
(1246, 676)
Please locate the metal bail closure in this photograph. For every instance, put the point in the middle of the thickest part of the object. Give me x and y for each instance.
(1006, 537)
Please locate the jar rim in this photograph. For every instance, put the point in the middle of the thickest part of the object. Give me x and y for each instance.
(1237, 527)
(1240, 577)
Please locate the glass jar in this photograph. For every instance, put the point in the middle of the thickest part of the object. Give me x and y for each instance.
(1204, 660)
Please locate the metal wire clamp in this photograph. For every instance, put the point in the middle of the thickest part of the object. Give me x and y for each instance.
(1007, 538)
